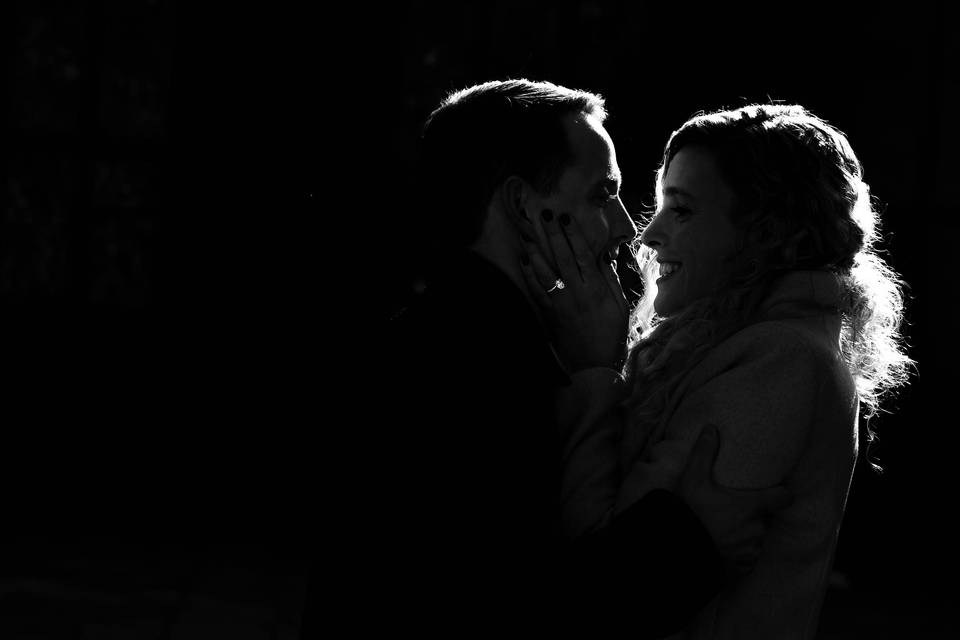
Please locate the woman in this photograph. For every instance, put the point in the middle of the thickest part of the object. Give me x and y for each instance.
(768, 314)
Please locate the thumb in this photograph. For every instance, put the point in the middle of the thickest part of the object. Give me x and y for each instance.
(777, 498)
(613, 284)
(704, 453)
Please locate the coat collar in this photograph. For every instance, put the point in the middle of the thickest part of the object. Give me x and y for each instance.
(798, 294)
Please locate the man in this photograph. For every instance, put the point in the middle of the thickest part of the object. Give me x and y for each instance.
(472, 453)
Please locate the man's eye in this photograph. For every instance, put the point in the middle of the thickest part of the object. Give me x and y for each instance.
(607, 198)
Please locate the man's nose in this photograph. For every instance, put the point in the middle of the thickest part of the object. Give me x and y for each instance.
(622, 227)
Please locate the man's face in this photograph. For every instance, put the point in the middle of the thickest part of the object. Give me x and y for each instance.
(588, 190)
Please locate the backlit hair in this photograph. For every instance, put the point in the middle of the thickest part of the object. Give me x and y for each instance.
(800, 203)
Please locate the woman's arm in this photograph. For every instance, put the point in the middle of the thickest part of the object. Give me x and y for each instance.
(589, 432)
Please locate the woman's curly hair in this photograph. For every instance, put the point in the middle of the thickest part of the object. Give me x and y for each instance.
(801, 203)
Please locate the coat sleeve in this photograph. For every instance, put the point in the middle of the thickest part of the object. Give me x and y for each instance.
(589, 432)
(655, 560)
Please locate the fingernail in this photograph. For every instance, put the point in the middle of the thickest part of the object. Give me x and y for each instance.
(547, 215)
(564, 219)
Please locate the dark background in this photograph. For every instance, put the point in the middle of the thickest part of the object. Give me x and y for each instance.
(206, 215)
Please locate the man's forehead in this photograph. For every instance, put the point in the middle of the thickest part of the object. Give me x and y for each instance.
(592, 147)
(585, 126)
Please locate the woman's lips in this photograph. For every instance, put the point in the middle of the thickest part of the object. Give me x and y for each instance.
(668, 268)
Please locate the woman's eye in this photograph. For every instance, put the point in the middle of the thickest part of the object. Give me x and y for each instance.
(681, 211)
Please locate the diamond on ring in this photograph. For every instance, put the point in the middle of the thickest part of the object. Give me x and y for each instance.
(556, 285)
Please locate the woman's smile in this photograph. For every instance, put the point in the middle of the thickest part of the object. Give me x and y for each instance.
(691, 233)
(667, 269)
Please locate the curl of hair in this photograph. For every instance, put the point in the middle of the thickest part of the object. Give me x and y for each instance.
(801, 203)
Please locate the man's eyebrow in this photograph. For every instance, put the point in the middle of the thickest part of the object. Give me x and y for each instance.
(677, 191)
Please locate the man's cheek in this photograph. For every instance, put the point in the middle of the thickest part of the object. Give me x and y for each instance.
(598, 245)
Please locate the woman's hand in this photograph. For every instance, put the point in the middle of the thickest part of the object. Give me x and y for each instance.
(581, 300)
(737, 519)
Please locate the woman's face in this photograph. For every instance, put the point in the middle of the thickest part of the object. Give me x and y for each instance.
(691, 232)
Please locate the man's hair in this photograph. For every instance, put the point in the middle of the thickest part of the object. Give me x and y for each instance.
(480, 136)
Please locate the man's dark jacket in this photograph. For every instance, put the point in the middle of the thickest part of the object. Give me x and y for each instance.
(464, 444)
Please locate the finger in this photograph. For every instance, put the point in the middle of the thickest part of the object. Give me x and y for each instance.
(671, 448)
(745, 563)
(752, 532)
(567, 267)
(704, 453)
(612, 278)
(537, 290)
(577, 243)
(744, 557)
(667, 460)
(544, 274)
(777, 498)
(748, 553)
(763, 500)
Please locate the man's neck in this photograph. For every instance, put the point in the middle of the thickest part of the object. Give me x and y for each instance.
(505, 256)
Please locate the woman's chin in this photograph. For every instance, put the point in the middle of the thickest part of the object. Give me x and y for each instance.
(663, 308)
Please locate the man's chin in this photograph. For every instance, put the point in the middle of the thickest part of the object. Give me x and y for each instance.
(606, 260)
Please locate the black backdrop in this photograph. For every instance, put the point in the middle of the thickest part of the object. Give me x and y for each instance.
(207, 216)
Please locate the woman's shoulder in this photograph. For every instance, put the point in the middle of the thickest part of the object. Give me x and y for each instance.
(780, 340)
(777, 360)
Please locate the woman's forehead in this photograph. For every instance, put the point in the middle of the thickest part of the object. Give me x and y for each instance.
(693, 172)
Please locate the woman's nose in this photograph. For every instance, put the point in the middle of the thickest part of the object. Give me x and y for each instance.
(653, 234)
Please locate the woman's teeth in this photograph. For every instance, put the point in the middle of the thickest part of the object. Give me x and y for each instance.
(669, 268)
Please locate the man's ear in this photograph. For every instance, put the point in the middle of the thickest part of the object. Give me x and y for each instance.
(514, 194)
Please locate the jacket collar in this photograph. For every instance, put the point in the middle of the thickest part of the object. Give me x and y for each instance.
(803, 293)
